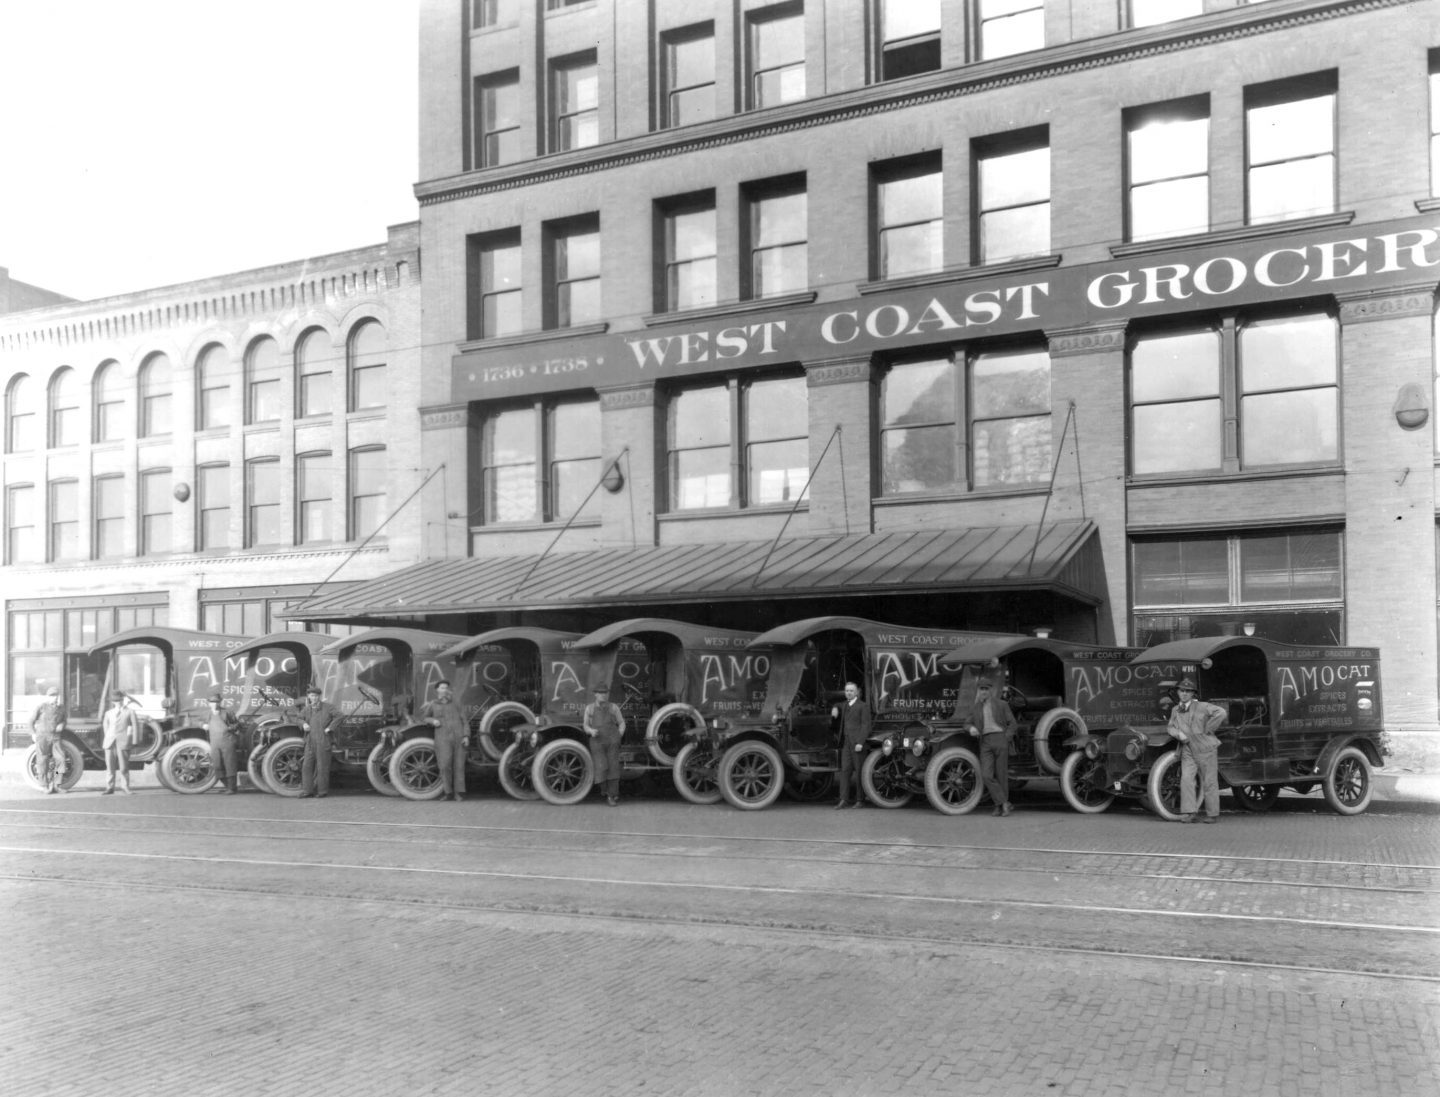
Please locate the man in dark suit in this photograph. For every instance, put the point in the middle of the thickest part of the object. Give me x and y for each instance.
(991, 719)
(854, 718)
(316, 719)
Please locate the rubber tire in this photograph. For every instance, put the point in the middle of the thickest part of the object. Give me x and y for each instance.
(494, 750)
(563, 772)
(74, 766)
(523, 789)
(187, 752)
(752, 775)
(876, 760)
(1165, 772)
(704, 791)
(937, 781)
(1044, 756)
(282, 767)
(810, 788)
(415, 770)
(1256, 798)
(1070, 782)
(377, 769)
(663, 714)
(254, 771)
(1349, 783)
(153, 733)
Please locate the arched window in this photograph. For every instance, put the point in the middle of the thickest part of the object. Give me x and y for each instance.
(109, 400)
(263, 396)
(20, 418)
(156, 384)
(313, 369)
(212, 385)
(367, 367)
(65, 409)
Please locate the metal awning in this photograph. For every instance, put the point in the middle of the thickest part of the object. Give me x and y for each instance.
(1062, 557)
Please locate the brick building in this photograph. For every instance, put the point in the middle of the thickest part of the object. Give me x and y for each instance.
(202, 455)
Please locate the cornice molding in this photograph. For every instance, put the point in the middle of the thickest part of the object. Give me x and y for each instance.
(1092, 53)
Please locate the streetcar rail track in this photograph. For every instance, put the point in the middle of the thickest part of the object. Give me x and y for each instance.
(909, 940)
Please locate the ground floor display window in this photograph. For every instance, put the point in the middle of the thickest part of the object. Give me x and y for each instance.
(1280, 585)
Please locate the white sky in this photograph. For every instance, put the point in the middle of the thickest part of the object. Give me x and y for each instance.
(149, 142)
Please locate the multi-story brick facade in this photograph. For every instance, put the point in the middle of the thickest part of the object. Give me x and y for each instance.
(1160, 274)
(203, 455)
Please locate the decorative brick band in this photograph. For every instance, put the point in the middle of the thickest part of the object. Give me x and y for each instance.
(1091, 339)
(838, 371)
(642, 396)
(1391, 304)
(446, 418)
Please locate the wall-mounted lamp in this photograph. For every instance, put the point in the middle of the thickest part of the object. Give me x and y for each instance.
(1412, 407)
(1043, 632)
(1249, 627)
(182, 491)
(614, 479)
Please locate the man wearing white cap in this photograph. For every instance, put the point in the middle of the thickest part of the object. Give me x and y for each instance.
(46, 726)
(1193, 724)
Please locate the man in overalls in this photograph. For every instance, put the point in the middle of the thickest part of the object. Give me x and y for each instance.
(451, 738)
(221, 727)
(605, 724)
(316, 719)
(46, 726)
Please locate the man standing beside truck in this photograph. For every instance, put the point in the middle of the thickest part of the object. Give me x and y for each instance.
(46, 726)
(316, 719)
(451, 738)
(1193, 724)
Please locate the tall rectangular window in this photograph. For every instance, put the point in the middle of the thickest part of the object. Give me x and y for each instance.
(690, 254)
(213, 388)
(156, 385)
(1167, 166)
(1290, 149)
(541, 461)
(1435, 123)
(64, 520)
(108, 514)
(22, 543)
(497, 119)
(756, 427)
(688, 75)
(574, 103)
(65, 409)
(263, 381)
(1010, 26)
(1147, 13)
(909, 37)
(155, 512)
(777, 56)
(212, 491)
(777, 233)
(500, 289)
(367, 491)
(262, 502)
(976, 420)
(314, 367)
(1280, 585)
(313, 491)
(1278, 376)
(572, 446)
(108, 389)
(1012, 195)
(367, 350)
(575, 273)
(495, 13)
(510, 465)
(909, 225)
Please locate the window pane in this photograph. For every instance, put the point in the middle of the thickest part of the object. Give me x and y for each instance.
(1012, 451)
(576, 256)
(777, 409)
(1015, 179)
(1012, 233)
(915, 249)
(1175, 367)
(693, 284)
(1290, 567)
(1285, 428)
(920, 392)
(1177, 437)
(778, 471)
(576, 430)
(1299, 188)
(907, 18)
(692, 61)
(572, 482)
(1288, 353)
(918, 198)
(1004, 30)
(1146, 13)
(1179, 573)
(702, 478)
(702, 418)
(1165, 150)
(1178, 207)
(502, 314)
(780, 270)
(1285, 131)
(579, 303)
(919, 458)
(1008, 384)
(693, 234)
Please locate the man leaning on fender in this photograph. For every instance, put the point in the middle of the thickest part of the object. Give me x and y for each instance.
(1193, 723)
(991, 719)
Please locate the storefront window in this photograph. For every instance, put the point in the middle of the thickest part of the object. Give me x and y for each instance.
(1281, 586)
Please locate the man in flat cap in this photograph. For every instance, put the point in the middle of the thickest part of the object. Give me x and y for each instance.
(452, 736)
(220, 724)
(991, 719)
(316, 719)
(120, 727)
(605, 724)
(1193, 724)
(46, 725)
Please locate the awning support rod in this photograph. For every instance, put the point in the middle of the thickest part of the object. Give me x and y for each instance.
(804, 491)
(599, 480)
(1050, 491)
